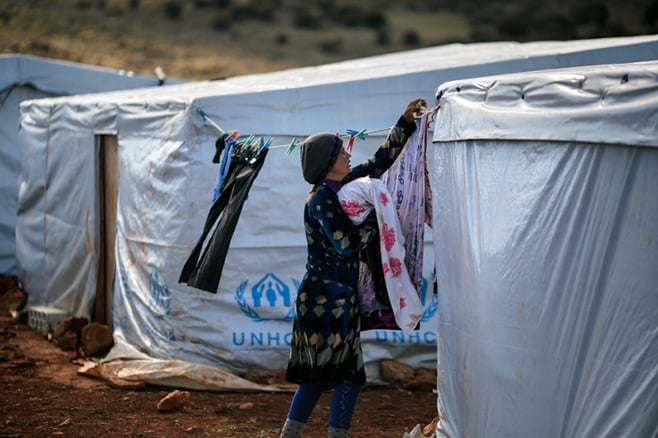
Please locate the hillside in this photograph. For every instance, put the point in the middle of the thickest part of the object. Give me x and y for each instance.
(206, 39)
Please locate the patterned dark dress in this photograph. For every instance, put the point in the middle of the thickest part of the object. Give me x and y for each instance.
(326, 343)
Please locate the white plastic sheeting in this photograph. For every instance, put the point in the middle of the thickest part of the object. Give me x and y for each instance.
(28, 77)
(546, 239)
(165, 187)
(179, 374)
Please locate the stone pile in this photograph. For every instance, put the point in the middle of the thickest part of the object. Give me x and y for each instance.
(12, 296)
(393, 374)
(70, 334)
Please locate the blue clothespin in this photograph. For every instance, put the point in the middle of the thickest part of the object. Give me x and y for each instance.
(264, 143)
(361, 135)
(207, 119)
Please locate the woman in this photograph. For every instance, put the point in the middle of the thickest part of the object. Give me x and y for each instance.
(326, 345)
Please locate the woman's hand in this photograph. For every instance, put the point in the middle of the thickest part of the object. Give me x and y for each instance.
(413, 110)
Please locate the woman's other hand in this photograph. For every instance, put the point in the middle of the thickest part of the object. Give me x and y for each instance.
(413, 110)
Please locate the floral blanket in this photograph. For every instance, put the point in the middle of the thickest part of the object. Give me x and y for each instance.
(358, 198)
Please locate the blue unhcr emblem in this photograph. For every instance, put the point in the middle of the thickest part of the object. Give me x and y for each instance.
(160, 293)
(271, 296)
(432, 307)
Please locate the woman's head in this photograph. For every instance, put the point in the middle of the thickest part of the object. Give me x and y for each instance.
(322, 155)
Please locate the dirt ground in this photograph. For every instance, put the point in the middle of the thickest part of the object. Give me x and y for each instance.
(42, 395)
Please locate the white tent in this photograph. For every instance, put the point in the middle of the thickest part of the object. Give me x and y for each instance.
(545, 234)
(27, 77)
(162, 149)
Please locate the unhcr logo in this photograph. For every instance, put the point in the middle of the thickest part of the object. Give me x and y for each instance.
(272, 300)
(268, 300)
(160, 294)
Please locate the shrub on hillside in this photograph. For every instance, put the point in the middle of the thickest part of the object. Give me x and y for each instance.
(220, 21)
(355, 15)
(281, 39)
(410, 38)
(305, 18)
(173, 10)
(334, 45)
(382, 38)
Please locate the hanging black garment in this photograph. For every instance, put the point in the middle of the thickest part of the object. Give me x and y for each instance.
(205, 275)
(220, 144)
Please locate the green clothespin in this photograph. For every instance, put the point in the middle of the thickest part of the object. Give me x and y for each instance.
(292, 146)
(249, 140)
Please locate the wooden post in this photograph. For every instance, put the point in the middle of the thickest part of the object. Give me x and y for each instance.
(108, 186)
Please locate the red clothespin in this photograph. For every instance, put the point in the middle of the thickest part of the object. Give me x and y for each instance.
(350, 143)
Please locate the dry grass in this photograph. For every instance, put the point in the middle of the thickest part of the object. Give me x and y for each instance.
(192, 47)
(200, 45)
(435, 28)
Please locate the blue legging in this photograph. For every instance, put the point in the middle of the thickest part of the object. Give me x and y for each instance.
(343, 403)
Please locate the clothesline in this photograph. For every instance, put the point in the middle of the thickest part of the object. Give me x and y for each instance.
(351, 134)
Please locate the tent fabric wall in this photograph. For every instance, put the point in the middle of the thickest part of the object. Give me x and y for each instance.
(545, 230)
(10, 166)
(63, 78)
(165, 186)
(25, 78)
(583, 107)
